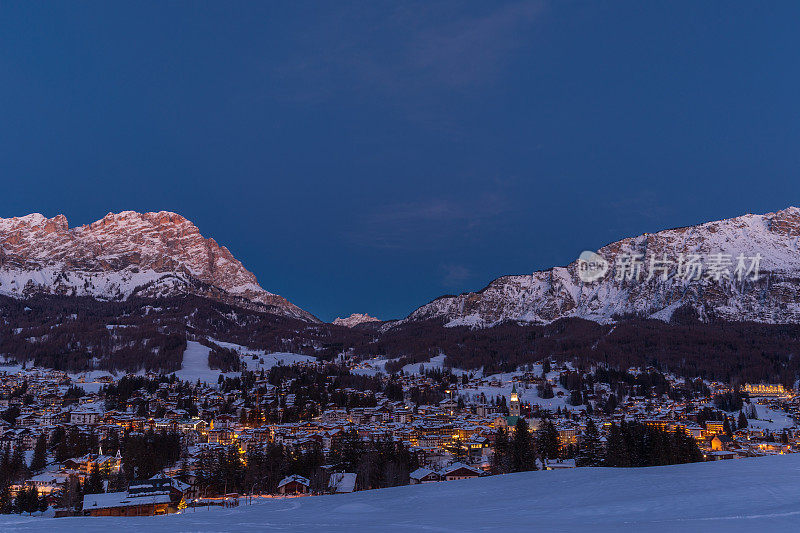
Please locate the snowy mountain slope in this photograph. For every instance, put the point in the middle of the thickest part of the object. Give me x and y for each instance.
(739, 495)
(146, 254)
(559, 292)
(354, 320)
(194, 365)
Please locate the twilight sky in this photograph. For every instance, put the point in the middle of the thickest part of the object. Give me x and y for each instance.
(371, 156)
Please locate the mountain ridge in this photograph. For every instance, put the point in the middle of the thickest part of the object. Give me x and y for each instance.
(547, 295)
(149, 254)
(354, 320)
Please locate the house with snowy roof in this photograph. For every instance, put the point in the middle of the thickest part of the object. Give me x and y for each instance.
(155, 496)
(294, 484)
(459, 471)
(424, 475)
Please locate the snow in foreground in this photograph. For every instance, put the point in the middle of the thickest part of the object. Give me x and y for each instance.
(739, 495)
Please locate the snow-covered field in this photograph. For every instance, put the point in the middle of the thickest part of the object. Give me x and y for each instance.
(529, 395)
(195, 364)
(771, 419)
(370, 367)
(738, 495)
(195, 361)
(264, 360)
(193, 367)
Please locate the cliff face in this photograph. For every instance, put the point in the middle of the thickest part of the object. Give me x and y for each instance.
(147, 254)
(354, 320)
(545, 296)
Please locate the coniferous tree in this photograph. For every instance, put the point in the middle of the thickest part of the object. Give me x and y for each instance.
(575, 397)
(39, 459)
(545, 390)
(6, 502)
(5, 465)
(21, 501)
(27, 501)
(686, 448)
(94, 485)
(742, 422)
(501, 459)
(18, 468)
(547, 442)
(72, 493)
(43, 503)
(523, 451)
(616, 448)
(726, 427)
(591, 448)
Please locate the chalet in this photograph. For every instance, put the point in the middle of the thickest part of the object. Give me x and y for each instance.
(424, 475)
(559, 464)
(719, 455)
(720, 442)
(459, 471)
(486, 410)
(18, 436)
(28, 420)
(155, 496)
(294, 484)
(192, 424)
(106, 464)
(125, 504)
(695, 431)
(47, 482)
(83, 417)
(223, 436)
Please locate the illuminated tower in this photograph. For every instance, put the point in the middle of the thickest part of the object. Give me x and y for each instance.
(513, 404)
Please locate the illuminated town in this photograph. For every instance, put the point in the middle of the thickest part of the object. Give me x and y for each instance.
(78, 433)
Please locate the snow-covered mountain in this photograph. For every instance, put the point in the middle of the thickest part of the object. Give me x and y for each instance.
(545, 296)
(125, 254)
(355, 319)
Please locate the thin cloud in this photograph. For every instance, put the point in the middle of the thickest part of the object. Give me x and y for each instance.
(471, 50)
(409, 52)
(455, 275)
(428, 224)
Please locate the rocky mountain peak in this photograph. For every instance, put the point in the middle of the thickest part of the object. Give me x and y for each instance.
(559, 292)
(123, 254)
(355, 319)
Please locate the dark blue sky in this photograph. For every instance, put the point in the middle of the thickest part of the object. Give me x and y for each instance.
(368, 157)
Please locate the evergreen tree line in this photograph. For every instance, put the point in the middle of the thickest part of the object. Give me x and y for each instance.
(13, 470)
(377, 464)
(518, 451)
(631, 444)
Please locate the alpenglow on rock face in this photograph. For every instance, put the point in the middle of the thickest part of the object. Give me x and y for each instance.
(125, 254)
(556, 293)
(355, 319)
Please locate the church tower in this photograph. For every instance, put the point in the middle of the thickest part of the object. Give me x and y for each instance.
(513, 404)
